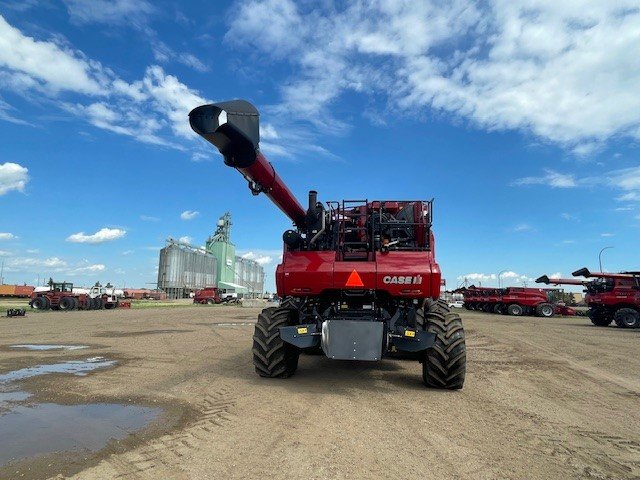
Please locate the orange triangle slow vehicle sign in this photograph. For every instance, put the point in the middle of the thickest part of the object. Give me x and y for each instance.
(354, 280)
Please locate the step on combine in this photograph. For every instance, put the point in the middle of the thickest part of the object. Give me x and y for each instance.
(358, 278)
(611, 297)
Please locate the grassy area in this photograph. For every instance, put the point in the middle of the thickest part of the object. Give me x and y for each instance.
(184, 302)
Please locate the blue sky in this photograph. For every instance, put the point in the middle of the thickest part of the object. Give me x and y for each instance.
(521, 118)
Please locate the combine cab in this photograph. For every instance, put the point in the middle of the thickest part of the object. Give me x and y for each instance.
(358, 278)
(611, 297)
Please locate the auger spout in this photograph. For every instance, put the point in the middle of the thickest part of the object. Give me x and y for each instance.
(233, 127)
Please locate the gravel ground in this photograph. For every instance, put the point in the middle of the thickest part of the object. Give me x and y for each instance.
(544, 398)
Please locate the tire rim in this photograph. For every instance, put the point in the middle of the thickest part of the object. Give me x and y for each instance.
(628, 320)
(547, 311)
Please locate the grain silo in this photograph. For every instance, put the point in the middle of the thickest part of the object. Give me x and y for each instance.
(184, 269)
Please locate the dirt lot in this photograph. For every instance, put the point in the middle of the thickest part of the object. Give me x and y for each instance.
(553, 398)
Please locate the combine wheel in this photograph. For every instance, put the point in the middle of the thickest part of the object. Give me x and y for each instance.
(497, 308)
(210, 301)
(272, 357)
(515, 310)
(40, 303)
(599, 317)
(627, 318)
(97, 303)
(443, 365)
(545, 310)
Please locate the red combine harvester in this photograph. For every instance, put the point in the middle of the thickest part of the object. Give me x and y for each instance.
(611, 297)
(208, 295)
(358, 278)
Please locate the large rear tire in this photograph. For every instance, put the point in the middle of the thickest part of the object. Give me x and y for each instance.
(600, 317)
(67, 303)
(40, 303)
(273, 357)
(627, 318)
(444, 364)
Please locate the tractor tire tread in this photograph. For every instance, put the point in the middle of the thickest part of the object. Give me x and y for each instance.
(272, 356)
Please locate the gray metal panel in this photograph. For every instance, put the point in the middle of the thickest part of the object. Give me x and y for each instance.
(352, 339)
(249, 274)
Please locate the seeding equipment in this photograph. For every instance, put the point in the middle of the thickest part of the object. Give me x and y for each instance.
(358, 278)
(514, 301)
(611, 297)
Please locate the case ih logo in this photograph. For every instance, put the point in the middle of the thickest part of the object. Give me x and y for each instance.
(402, 280)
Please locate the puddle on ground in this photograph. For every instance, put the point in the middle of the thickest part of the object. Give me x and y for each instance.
(29, 428)
(41, 347)
(74, 367)
(48, 427)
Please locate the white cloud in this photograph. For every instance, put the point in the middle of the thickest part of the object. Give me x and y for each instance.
(148, 218)
(189, 214)
(95, 268)
(551, 178)
(506, 278)
(185, 239)
(5, 253)
(568, 242)
(12, 177)
(33, 250)
(112, 12)
(128, 252)
(152, 109)
(258, 258)
(101, 236)
(45, 64)
(529, 65)
(7, 236)
(626, 180)
(569, 216)
(523, 227)
(25, 263)
(607, 235)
